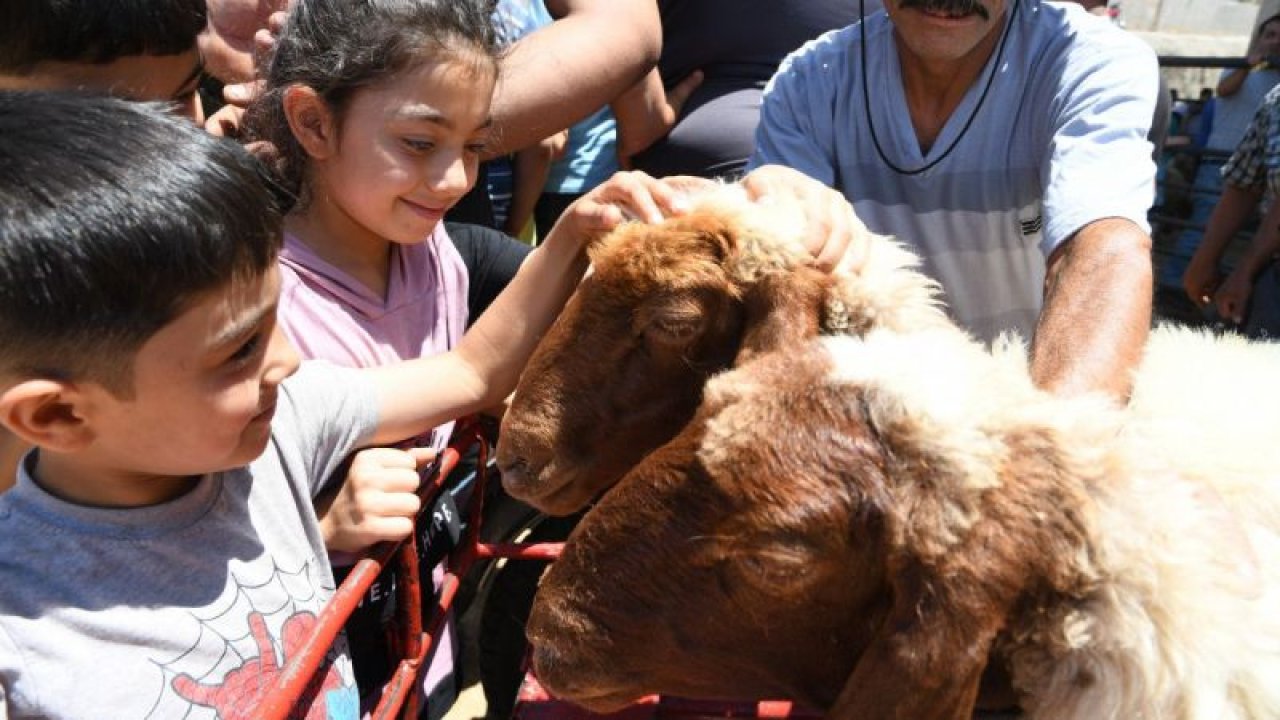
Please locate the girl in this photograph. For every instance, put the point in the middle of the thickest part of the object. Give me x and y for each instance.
(378, 111)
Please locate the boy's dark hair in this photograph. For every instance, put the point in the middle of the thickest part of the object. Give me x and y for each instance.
(95, 31)
(1263, 25)
(114, 217)
(336, 47)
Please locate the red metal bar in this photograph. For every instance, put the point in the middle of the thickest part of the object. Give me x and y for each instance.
(534, 703)
(400, 695)
(397, 693)
(297, 672)
(519, 551)
(409, 619)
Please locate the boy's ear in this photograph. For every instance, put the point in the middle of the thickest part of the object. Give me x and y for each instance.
(311, 121)
(46, 413)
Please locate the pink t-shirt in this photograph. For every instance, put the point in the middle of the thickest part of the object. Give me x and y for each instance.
(329, 315)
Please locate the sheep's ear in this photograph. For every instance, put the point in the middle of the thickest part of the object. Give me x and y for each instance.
(924, 662)
(782, 311)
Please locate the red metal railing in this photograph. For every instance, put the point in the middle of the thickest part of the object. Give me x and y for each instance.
(412, 641)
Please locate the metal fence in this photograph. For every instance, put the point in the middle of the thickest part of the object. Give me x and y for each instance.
(1176, 226)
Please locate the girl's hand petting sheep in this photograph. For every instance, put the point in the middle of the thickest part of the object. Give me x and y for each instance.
(631, 195)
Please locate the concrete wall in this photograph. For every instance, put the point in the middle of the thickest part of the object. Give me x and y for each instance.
(1195, 28)
(1198, 17)
(1188, 81)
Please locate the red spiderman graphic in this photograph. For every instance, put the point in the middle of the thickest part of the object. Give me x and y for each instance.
(240, 693)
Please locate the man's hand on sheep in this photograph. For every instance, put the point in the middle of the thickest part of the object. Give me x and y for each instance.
(835, 235)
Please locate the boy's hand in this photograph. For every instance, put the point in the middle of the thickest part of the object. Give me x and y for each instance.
(631, 195)
(378, 500)
(835, 235)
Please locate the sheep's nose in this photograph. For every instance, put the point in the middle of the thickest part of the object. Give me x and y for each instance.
(516, 475)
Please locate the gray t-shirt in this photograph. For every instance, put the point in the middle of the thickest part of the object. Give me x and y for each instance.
(185, 609)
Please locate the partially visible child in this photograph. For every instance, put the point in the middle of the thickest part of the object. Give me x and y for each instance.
(135, 49)
(379, 112)
(594, 147)
(515, 180)
(159, 555)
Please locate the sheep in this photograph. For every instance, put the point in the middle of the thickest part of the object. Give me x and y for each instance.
(864, 524)
(664, 308)
(1095, 621)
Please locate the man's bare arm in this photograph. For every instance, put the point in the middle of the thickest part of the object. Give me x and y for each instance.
(561, 73)
(1097, 311)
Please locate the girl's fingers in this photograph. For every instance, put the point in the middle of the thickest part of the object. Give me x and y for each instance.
(634, 194)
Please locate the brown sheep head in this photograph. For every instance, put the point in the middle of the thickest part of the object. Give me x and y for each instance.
(665, 307)
(815, 537)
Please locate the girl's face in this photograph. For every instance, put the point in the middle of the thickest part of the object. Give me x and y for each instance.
(409, 147)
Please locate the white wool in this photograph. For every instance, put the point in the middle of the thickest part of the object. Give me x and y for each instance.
(886, 290)
(1186, 621)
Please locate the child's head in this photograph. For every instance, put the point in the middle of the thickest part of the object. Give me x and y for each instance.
(122, 225)
(381, 107)
(135, 49)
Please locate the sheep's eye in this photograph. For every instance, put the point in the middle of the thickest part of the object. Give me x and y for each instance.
(775, 565)
(677, 321)
(676, 328)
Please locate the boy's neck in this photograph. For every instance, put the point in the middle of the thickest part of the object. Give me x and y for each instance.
(81, 483)
(338, 240)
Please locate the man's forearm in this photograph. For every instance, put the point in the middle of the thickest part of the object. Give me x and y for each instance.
(1231, 82)
(1097, 311)
(1235, 206)
(1265, 243)
(560, 74)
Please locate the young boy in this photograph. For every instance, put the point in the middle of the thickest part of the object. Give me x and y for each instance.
(159, 554)
(134, 49)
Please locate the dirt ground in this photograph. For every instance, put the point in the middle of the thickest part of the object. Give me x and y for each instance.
(470, 705)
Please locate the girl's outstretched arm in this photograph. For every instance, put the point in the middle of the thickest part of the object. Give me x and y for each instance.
(484, 367)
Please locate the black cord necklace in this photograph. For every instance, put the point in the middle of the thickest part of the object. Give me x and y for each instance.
(866, 93)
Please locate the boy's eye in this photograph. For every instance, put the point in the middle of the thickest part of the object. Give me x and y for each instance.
(477, 147)
(247, 350)
(418, 145)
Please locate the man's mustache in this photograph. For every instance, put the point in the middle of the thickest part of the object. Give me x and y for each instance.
(958, 8)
